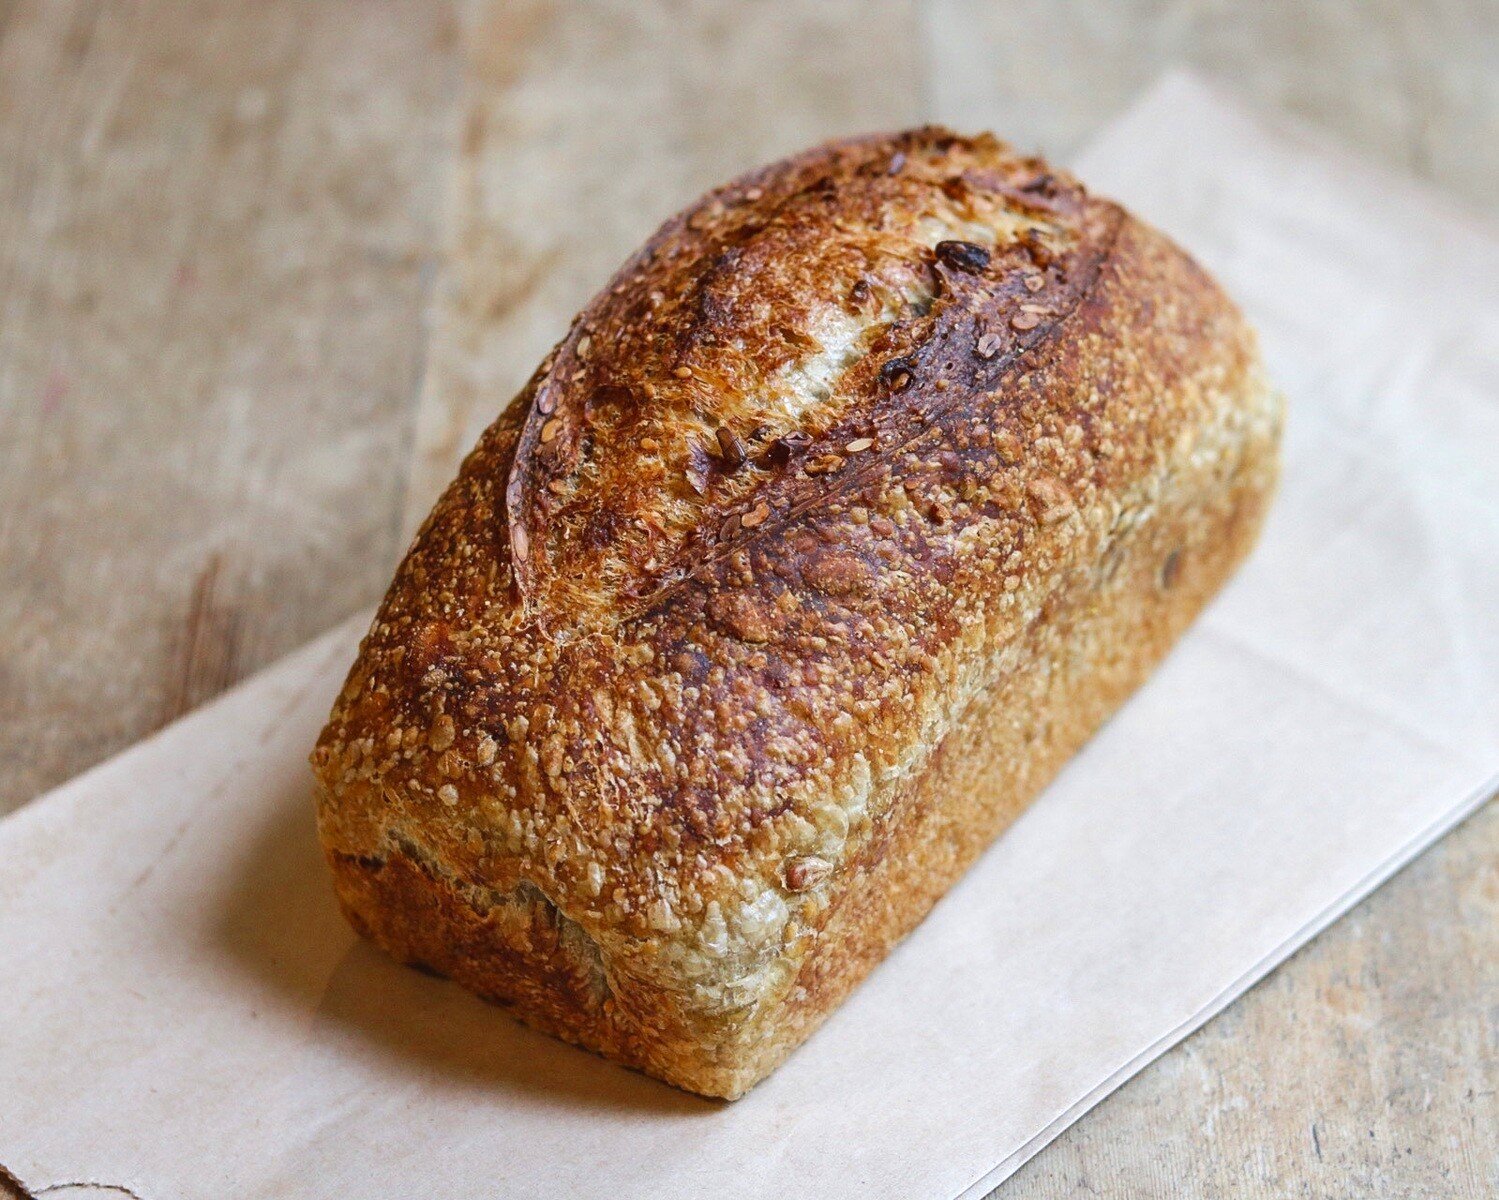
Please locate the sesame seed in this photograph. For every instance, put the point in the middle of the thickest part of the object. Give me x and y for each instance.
(1024, 320)
(551, 429)
(683, 372)
(546, 404)
(989, 344)
(859, 444)
(520, 543)
(1034, 283)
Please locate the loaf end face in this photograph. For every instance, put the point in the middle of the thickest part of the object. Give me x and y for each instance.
(774, 597)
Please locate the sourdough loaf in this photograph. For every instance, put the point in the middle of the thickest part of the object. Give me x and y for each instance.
(837, 522)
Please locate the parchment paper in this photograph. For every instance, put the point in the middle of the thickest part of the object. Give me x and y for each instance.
(185, 1013)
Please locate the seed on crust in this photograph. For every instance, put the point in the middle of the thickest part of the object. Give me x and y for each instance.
(1024, 320)
(1053, 502)
(837, 573)
(989, 345)
(730, 448)
(963, 256)
(442, 733)
(859, 444)
(803, 874)
(1171, 568)
(898, 373)
(777, 454)
(683, 372)
(755, 516)
(740, 616)
(550, 430)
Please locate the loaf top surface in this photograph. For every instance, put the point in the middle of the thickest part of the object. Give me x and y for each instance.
(781, 305)
(755, 531)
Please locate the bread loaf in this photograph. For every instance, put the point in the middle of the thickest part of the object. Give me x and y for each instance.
(837, 522)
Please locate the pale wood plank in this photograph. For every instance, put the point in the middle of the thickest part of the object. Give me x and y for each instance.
(214, 225)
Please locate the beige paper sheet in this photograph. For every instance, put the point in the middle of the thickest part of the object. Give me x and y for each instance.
(185, 1013)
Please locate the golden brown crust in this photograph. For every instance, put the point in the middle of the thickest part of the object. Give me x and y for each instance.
(898, 459)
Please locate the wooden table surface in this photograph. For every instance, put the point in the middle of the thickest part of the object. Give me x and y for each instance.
(265, 268)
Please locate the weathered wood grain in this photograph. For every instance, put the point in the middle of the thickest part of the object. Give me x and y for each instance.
(219, 268)
(1365, 1066)
(215, 224)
